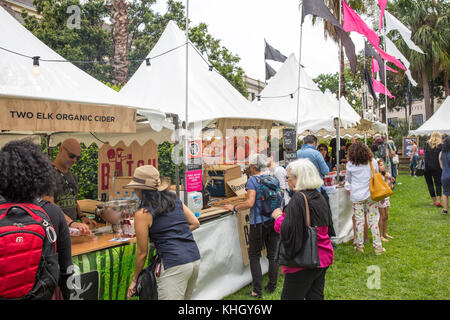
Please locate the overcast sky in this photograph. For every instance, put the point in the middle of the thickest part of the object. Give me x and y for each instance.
(242, 26)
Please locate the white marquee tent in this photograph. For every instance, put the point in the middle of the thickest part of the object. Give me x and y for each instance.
(316, 110)
(439, 121)
(58, 82)
(211, 96)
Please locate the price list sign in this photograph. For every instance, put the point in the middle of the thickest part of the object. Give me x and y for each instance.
(194, 166)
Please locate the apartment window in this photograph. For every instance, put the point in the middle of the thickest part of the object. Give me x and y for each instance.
(418, 119)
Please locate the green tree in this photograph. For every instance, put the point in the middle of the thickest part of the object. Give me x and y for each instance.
(429, 22)
(86, 42)
(146, 27)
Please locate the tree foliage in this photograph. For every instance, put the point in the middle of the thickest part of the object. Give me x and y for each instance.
(93, 40)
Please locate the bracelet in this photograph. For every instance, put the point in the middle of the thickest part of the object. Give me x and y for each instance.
(71, 222)
(234, 209)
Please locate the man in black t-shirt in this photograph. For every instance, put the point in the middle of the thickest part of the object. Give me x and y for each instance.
(66, 193)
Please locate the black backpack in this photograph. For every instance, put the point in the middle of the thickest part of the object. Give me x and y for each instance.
(27, 252)
(271, 194)
(146, 287)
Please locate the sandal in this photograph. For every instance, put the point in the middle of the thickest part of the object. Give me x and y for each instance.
(255, 295)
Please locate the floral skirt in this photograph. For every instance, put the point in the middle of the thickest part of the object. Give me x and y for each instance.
(367, 208)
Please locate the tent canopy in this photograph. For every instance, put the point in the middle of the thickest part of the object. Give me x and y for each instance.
(316, 110)
(439, 121)
(211, 96)
(59, 88)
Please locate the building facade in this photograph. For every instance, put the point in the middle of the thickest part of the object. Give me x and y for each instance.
(15, 8)
(254, 87)
(418, 115)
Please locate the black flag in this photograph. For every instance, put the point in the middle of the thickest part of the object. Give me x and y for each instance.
(369, 51)
(270, 53)
(319, 9)
(369, 82)
(270, 72)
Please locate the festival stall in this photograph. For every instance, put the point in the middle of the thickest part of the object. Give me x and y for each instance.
(212, 178)
(315, 113)
(43, 95)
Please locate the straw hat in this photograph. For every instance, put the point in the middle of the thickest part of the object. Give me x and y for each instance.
(147, 178)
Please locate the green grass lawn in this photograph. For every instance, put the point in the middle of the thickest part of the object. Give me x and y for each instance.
(416, 265)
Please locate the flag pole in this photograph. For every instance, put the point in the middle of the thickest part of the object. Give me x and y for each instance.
(338, 124)
(299, 70)
(385, 97)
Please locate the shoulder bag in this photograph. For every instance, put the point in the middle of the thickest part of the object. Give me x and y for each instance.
(308, 257)
(420, 168)
(379, 189)
(146, 286)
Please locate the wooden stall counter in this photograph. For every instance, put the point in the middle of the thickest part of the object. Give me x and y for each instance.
(86, 244)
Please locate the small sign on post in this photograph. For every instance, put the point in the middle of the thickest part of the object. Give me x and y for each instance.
(194, 166)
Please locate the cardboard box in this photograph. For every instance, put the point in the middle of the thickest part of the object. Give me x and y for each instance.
(238, 185)
(216, 179)
(244, 235)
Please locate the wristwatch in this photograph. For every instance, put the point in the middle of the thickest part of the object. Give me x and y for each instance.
(234, 209)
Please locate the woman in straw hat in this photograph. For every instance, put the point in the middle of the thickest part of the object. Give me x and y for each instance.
(169, 224)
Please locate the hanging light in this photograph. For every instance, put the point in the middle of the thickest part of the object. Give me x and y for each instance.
(210, 67)
(259, 100)
(149, 65)
(292, 97)
(35, 69)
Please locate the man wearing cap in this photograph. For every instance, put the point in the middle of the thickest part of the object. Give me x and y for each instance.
(66, 193)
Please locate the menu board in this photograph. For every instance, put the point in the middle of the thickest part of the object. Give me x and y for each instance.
(290, 141)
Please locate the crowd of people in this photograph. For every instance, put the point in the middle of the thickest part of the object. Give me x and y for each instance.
(27, 176)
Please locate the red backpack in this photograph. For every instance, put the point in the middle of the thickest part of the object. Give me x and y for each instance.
(28, 259)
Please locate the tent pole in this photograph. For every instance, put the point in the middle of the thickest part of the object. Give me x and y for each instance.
(299, 72)
(187, 103)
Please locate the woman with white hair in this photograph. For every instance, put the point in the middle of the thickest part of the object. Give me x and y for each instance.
(301, 283)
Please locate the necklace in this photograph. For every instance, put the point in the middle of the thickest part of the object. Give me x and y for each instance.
(65, 179)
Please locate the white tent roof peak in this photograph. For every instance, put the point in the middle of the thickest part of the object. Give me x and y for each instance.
(58, 80)
(211, 96)
(438, 121)
(316, 110)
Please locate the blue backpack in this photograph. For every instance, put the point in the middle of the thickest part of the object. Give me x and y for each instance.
(271, 194)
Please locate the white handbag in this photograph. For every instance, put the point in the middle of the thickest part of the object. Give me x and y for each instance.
(395, 159)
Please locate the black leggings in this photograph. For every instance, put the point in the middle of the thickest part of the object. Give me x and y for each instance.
(263, 234)
(435, 175)
(306, 284)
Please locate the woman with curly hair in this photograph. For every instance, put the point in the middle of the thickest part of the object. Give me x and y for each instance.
(357, 181)
(26, 174)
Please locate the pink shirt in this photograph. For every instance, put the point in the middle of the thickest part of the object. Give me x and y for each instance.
(326, 253)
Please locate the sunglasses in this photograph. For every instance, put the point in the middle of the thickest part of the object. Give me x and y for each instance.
(321, 149)
(71, 155)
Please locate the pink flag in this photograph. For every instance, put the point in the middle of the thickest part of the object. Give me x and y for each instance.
(390, 58)
(390, 69)
(378, 87)
(382, 4)
(375, 66)
(353, 22)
